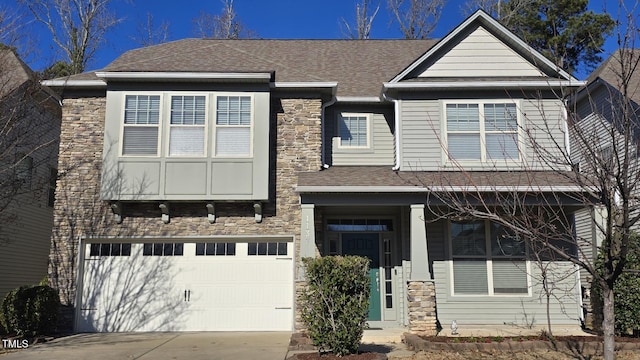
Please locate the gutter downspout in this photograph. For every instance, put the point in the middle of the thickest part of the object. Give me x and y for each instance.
(565, 117)
(332, 101)
(396, 121)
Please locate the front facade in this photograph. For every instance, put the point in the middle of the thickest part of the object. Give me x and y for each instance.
(206, 177)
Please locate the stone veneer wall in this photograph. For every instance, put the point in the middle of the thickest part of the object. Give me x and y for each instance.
(79, 213)
(421, 296)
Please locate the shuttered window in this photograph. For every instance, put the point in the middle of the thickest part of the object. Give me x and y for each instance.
(141, 121)
(487, 260)
(233, 126)
(354, 130)
(482, 131)
(187, 126)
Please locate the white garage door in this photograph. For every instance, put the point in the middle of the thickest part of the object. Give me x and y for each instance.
(215, 286)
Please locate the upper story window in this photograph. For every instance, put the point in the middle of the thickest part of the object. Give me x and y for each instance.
(141, 125)
(186, 120)
(187, 126)
(482, 131)
(233, 125)
(487, 260)
(354, 130)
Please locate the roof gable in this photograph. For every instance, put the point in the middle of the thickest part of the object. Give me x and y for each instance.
(481, 47)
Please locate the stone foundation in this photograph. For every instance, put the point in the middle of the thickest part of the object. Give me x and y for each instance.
(421, 305)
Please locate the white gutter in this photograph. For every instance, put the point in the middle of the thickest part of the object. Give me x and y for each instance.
(420, 189)
(358, 99)
(135, 75)
(298, 85)
(515, 84)
(396, 121)
(73, 83)
(565, 118)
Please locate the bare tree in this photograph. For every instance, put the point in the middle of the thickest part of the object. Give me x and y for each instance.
(78, 27)
(150, 33)
(416, 18)
(496, 8)
(11, 23)
(223, 26)
(364, 21)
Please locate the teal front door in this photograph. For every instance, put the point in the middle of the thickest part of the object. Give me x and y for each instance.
(367, 245)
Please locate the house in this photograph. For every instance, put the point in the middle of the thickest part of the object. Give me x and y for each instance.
(199, 172)
(29, 130)
(598, 144)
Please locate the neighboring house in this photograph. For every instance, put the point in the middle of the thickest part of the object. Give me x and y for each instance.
(199, 172)
(29, 133)
(598, 110)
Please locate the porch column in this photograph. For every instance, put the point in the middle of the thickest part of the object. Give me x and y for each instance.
(419, 254)
(307, 232)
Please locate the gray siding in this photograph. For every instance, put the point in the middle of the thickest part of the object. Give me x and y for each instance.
(516, 310)
(481, 54)
(381, 138)
(206, 177)
(423, 139)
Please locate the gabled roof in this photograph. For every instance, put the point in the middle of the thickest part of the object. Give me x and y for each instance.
(13, 72)
(610, 72)
(358, 66)
(548, 70)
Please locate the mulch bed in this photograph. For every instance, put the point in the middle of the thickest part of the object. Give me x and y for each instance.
(329, 356)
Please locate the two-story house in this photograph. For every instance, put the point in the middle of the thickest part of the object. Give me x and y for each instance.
(29, 131)
(201, 171)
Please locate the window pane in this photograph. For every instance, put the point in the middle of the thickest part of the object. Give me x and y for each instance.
(353, 130)
(157, 249)
(509, 277)
(500, 117)
(262, 248)
(502, 146)
(188, 110)
(147, 249)
(115, 249)
(233, 141)
(470, 277)
(282, 248)
(211, 248)
(105, 249)
(126, 249)
(505, 244)
(139, 140)
(186, 141)
(220, 249)
(468, 239)
(142, 109)
(233, 110)
(95, 250)
(253, 249)
(464, 146)
(463, 117)
(272, 248)
(199, 249)
(231, 248)
(168, 249)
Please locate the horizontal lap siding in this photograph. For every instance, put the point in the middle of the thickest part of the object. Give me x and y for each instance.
(544, 127)
(421, 145)
(382, 151)
(499, 310)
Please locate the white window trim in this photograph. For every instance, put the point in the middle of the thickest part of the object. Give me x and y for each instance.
(159, 125)
(489, 263)
(483, 146)
(368, 135)
(215, 126)
(166, 119)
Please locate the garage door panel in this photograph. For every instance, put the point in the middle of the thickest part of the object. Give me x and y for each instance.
(186, 293)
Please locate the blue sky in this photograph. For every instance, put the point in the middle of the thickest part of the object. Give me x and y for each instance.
(278, 19)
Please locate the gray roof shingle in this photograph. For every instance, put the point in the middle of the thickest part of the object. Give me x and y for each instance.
(359, 66)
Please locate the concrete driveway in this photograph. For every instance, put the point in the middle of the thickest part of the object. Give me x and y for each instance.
(160, 346)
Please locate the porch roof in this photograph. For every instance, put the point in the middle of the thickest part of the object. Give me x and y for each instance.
(360, 179)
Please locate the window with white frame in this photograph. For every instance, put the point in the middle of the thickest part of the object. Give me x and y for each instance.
(141, 125)
(187, 126)
(487, 260)
(482, 131)
(354, 130)
(233, 125)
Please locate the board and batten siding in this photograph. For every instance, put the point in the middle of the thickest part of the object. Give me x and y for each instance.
(423, 140)
(481, 54)
(511, 310)
(381, 150)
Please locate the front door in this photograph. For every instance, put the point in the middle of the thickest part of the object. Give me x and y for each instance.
(367, 245)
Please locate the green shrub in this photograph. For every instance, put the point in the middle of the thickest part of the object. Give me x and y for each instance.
(626, 293)
(31, 310)
(335, 304)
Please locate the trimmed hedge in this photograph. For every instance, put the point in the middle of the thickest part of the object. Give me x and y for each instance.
(30, 310)
(626, 294)
(335, 304)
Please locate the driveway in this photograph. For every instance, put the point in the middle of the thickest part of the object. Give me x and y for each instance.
(160, 346)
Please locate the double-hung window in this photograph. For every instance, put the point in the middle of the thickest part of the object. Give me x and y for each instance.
(482, 131)
(354, 130)
(187, 125)
(141, 125)
(487, 260)
(233, 126)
